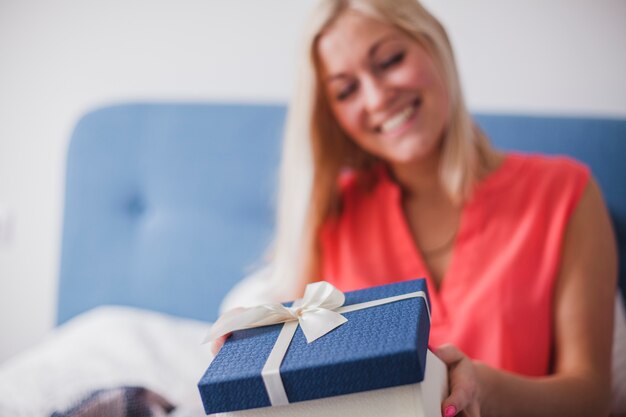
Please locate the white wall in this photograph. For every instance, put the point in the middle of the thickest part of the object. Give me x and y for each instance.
(61, 58)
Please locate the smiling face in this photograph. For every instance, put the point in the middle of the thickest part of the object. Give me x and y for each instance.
(383, 88)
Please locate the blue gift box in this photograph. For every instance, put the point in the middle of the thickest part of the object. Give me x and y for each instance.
(379, 347)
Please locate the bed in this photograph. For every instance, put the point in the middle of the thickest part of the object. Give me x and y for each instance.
(167, 207)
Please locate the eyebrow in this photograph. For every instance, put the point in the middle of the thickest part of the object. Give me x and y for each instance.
(370, 55)
(377, 44)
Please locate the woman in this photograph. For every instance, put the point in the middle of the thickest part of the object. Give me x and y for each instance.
(385, 177)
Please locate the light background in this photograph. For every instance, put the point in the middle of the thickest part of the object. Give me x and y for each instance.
(59, 59)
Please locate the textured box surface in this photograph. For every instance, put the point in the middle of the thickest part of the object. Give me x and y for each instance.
(379, 347)
(414, 400)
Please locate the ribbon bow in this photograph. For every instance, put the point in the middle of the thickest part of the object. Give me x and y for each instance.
(314, 312)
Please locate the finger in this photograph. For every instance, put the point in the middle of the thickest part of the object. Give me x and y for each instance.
(449, 354)
(463, 385)
(218, 343)
(473, 410)
(449, 410)
(462, 382)
(460, 399)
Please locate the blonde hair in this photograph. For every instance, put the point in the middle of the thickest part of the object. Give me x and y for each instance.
(315, 148)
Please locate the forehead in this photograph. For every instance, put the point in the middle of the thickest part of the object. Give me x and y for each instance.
(349, 39)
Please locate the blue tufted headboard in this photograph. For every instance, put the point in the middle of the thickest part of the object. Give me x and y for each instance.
(167, 205)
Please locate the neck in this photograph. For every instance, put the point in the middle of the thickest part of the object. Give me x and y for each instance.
(419, 179)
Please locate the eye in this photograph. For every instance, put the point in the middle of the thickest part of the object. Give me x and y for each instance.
(346, 92)
(391, 61)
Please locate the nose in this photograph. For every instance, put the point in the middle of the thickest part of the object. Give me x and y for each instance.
(374, 93)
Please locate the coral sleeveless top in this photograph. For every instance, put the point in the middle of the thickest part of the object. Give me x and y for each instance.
(495, 301)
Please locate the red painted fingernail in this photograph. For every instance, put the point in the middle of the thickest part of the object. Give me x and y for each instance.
(450, 411)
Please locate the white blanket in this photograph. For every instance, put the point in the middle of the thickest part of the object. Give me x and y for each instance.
(105, 348)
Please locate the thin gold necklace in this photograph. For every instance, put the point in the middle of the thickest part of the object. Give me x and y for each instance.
(443, 248)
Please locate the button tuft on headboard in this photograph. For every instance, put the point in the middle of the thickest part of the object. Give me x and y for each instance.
(136, 205)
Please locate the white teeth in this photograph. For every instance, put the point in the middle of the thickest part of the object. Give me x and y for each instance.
(398, 119)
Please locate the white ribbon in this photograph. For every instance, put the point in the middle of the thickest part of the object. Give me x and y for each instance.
(317, 313)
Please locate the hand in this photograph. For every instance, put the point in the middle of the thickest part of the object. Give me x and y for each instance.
(463, 381)
(218, 343)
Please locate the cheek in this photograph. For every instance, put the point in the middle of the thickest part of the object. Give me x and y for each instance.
(410, 76)
(419, 72)
(426, 78)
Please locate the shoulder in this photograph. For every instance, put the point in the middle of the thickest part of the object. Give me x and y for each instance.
(552, 165)
(545, 189)
(534, 175)
(548, 167)
(559, 176)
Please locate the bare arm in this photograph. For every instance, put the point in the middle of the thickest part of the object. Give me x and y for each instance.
(583, 325)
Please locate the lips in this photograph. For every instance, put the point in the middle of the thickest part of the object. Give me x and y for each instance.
(399, 118)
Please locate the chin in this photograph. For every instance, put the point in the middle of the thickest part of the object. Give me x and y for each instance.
(414, 151)
(410, 159)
